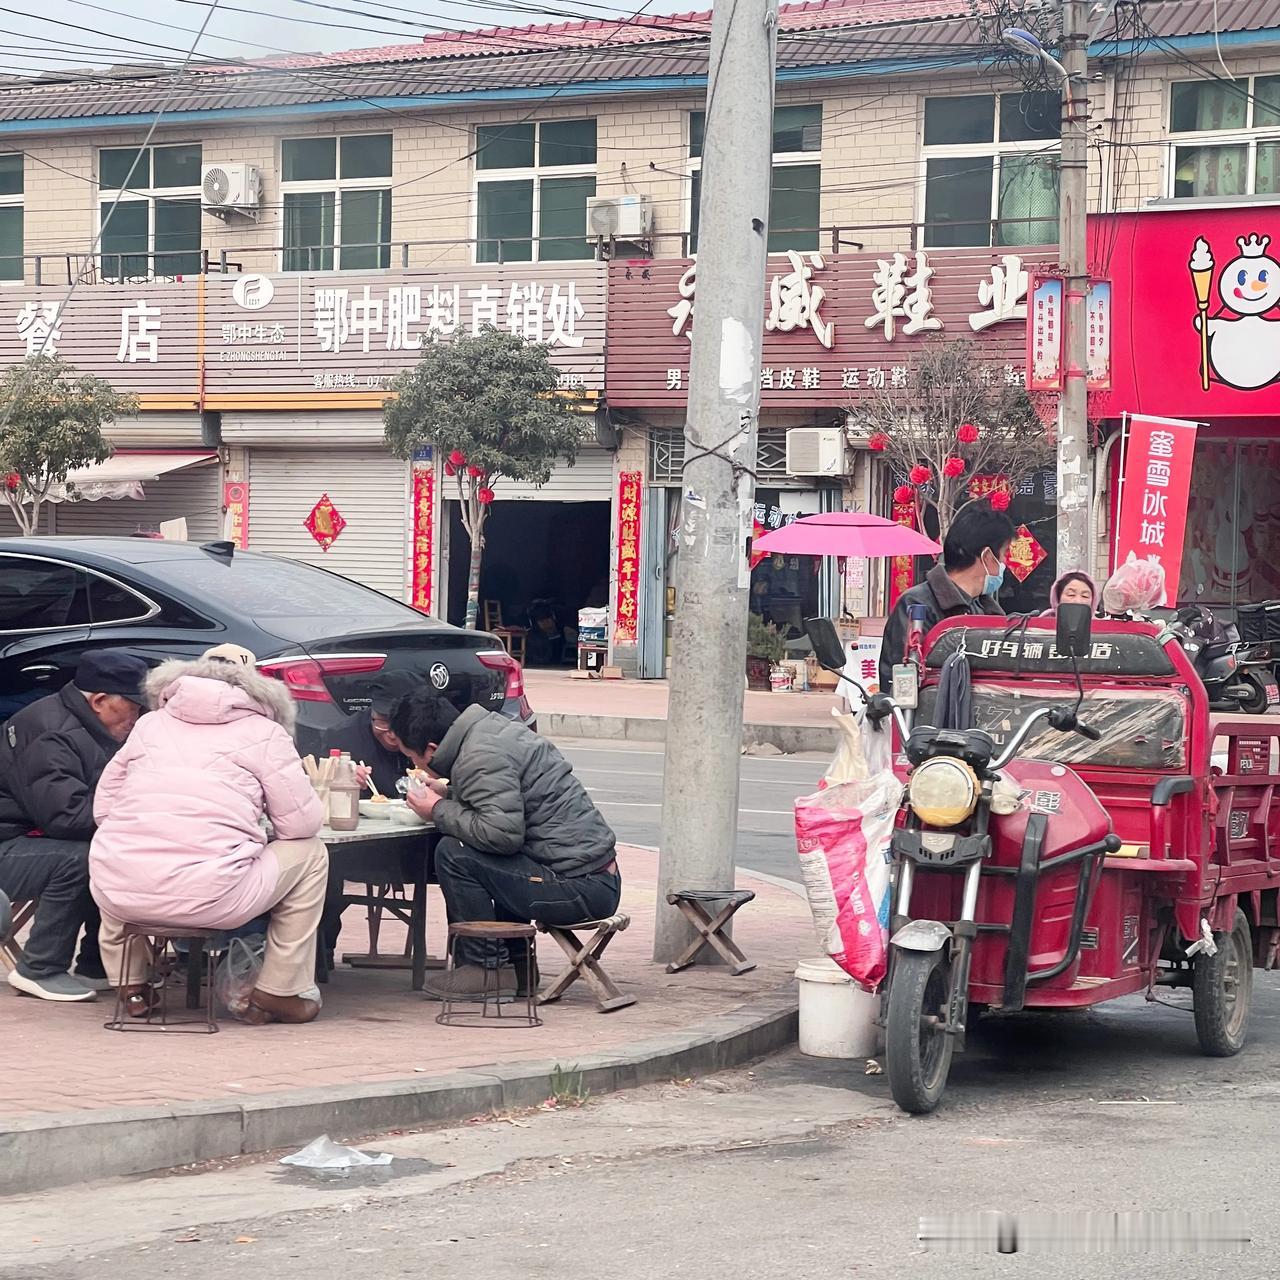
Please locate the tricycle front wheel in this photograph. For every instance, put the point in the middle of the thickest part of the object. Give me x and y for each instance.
(917, 1047)
(1222, 990)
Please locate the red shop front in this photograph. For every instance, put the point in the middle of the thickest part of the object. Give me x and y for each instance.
(1196, 336)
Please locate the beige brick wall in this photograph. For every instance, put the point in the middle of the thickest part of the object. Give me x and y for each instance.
(871, 166)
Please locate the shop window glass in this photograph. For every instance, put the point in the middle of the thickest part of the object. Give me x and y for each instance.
(1028, 190)
(960, 120)
(1029, 117)
(366, 155)
(177, 166)
(308, 231)
(1200, 105)
(124, 240)
(957, 205)
(11, 174)
(562, 219)
(116, 168)
(795, 129)
(795, 208)
(366, 230)
(564, 142)
(308, 159)
(504, 146)
(177, 237)
(505, 222)
(11, 221)
(1266, 102)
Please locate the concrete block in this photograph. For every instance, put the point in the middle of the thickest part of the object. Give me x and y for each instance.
(37, 1152)
(351, 1111)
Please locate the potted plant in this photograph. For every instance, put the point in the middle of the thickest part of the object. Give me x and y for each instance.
(764, 649)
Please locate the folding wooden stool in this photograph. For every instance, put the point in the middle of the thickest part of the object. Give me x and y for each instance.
(584, 960)
(695, 905)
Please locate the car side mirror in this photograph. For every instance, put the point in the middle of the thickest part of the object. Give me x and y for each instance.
(826, 642)
(1075, 629)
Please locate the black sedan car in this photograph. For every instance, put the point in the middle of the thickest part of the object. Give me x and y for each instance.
(323, 636)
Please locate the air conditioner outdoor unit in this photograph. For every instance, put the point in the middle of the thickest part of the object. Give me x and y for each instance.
(231, 188)
(815, 451)
(619, 217)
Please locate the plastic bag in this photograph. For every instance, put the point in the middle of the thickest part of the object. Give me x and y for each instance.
(238, 973)
(1136, 584)
(324, 1153)
(862, 750)
(842, 837)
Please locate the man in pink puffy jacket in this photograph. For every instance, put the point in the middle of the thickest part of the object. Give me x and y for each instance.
(180, 836)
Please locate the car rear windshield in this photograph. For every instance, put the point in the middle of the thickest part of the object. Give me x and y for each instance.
(260, 587)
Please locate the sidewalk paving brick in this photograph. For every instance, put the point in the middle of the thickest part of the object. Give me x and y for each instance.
(376, 1030)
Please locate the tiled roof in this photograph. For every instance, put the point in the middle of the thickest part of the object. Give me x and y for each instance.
(821, 33)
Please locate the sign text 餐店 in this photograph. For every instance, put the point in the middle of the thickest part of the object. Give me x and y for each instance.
(835, 326)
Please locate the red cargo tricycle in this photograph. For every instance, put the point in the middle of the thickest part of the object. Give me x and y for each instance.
(1092, 835)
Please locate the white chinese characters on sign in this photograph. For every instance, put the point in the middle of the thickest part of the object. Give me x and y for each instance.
(535, 312)
(1004, 295)
(795, 302)
(40, 327)
(139, 334)
(901, 296)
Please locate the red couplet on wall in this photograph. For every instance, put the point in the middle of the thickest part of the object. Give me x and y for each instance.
(628, 612)
(1153, 497)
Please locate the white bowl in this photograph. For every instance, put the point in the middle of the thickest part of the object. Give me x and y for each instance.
(403, 816)
(379, 809)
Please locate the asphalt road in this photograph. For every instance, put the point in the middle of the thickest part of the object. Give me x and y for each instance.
(800, 1167)
(625, 781)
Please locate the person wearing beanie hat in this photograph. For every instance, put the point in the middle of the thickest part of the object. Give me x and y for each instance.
(1075, 587)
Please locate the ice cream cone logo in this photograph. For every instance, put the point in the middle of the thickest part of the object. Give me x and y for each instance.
(1201, 266)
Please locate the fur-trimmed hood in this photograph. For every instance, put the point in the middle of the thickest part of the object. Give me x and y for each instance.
(210, 691)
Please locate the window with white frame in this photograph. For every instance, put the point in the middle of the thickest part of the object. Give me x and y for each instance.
(991, 169)
(337, 202)
(11, 215)
(795, 201)
(154, 228)
(1225, 138)
(533, 182)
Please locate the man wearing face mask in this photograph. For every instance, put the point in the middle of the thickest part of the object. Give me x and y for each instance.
(967, 581)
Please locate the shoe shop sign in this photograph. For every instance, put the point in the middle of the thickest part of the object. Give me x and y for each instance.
(837, 327)
(225, 341)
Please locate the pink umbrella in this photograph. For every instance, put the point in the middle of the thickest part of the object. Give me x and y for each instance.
(845, 533)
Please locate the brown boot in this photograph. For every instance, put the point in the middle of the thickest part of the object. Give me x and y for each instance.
(470, 981)
(265, 1007)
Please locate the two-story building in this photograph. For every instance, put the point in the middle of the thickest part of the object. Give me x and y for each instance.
(296, 228)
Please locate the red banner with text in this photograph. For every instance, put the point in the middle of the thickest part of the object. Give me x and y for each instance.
(628, 610)
(424, 492)
(1154, 491)
(902, 568)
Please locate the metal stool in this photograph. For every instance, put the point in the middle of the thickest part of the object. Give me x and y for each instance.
(155, 938)
(491, 931)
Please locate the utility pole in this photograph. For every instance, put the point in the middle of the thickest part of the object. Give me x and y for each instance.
(1074, 477)
(709, 641)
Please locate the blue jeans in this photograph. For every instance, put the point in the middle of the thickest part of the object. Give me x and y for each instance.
(490, 886)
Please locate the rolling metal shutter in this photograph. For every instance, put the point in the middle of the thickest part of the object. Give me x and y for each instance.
(368, 487)
(194, 493)
(590, 479)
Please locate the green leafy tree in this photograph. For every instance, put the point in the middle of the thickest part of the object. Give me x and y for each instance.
(51, 423)
(488, 403)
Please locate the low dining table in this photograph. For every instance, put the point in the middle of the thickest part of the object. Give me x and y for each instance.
(377, 854)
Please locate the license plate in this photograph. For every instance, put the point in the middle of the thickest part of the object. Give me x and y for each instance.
(1273, 694)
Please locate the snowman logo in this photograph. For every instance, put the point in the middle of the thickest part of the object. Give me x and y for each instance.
(1238, 345)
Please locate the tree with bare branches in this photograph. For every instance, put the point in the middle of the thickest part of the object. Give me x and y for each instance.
(950, 423)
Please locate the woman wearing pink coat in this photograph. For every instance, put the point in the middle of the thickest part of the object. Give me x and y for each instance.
(180, 839)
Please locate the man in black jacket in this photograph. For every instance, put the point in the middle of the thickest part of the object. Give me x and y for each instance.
(367, 735)
(968, 580)
(523, 840)
(52, 754)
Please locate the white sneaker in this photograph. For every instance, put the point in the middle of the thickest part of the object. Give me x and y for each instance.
(59, 987)
(94, 984)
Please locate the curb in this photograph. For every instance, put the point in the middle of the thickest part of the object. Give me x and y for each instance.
(788, 738)
(39, 1152)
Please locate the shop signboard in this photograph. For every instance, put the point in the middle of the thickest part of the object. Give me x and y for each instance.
(1196, 295)
(1155, 486)
(235, 506)
(224, 341)
(630, 484)
(1098, 338)
(838, 328)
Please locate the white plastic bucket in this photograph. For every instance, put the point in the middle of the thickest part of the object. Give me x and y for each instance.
(836, 1015)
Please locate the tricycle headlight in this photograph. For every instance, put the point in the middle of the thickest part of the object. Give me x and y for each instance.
(943, 792)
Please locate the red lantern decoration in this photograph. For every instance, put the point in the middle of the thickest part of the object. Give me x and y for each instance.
(473, 470)
(1000, 500)
(450, 469)
(484, 496)
(904, 494)
(920, 475)
(458, 458)
(967, 433)
(878, 442)
(953, 467)
(11, 482)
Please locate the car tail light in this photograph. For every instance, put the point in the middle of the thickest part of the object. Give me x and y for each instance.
(305, 677)
(500, 660)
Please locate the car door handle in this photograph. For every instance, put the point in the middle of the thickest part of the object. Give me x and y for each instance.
(41, 672)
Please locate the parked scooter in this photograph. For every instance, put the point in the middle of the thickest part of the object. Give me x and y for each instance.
(1237, 675)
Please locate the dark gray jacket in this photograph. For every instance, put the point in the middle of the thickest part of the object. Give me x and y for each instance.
(941, 599)
(511, 791)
